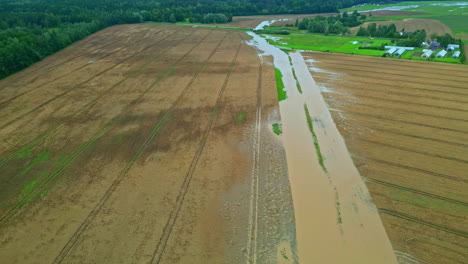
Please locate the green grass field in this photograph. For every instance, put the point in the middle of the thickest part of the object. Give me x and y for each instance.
(339, 44)
(455, 17)
(320, 42)
(374, 6)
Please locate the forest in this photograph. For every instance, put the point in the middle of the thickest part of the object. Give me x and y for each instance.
(31, 30)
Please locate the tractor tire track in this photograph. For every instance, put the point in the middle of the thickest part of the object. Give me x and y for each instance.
(399, 109)
(40, 186)
(410, 168)
(411, 190)
(381, 90)
(422, 222)
(88, 105)
(399, 77)
(84, 225)
(395, 85)
(75, 87)
(61, 63)
(253, 221)
(159, 250)
(347, 123)
(401, 121)
(74, 71)
(410, 69)
(407, 149)
(400, 64)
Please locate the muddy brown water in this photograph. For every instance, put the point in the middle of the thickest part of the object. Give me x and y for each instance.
(336, 219)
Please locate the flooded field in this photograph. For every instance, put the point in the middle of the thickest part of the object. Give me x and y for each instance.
(336, 220)
(145, 144)
(405, 124)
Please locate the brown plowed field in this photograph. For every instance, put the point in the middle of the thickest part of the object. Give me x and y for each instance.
(406, 126)
(413, 24)
(160, 150)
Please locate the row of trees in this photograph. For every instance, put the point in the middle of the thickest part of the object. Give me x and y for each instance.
(413, 39)
(332, 24)
(31, 30)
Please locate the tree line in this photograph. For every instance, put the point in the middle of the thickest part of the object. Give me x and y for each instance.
(338, 24)
(31, 30)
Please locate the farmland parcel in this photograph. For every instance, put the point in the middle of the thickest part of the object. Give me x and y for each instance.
(144, 143)
(405, 124)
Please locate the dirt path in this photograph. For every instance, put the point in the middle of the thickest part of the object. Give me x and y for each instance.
(336, 220)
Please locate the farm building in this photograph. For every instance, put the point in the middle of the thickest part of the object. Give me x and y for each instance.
(427, 54)
(391, 51)
(456, 54)
(441, 54)
(396, 47)
(435, 45)
(399, 52)
(451, 47)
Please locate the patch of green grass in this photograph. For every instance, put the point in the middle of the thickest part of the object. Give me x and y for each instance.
(240, 119)
(298, 85)
(283, 254)
(458, 24)
(427, 202)
(320, 42)
(17, 109)
(39, 158)
(371, 6)
(280, 85)
(314, 136)
(118, 139)
(25, 153)
(277, 129)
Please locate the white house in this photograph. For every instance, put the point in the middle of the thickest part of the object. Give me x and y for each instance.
(456, 54)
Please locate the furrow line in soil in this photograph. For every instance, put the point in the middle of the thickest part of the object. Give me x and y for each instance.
(84, 225)
(422, 222)
(407, 149)
(410, 168)
(410, 69)
(383, 89)
(407, 135)
(49, 67)
(34, 70)
(399, 77)
(412, 65)
(161, 245)
(252, 243)
(36, 191)
(79, 68)
(402, 121)
(88, 105)
(411, 190)
(80, 85)
(395, 85)
(399, 109)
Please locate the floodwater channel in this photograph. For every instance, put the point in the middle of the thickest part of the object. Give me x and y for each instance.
(336, 219)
